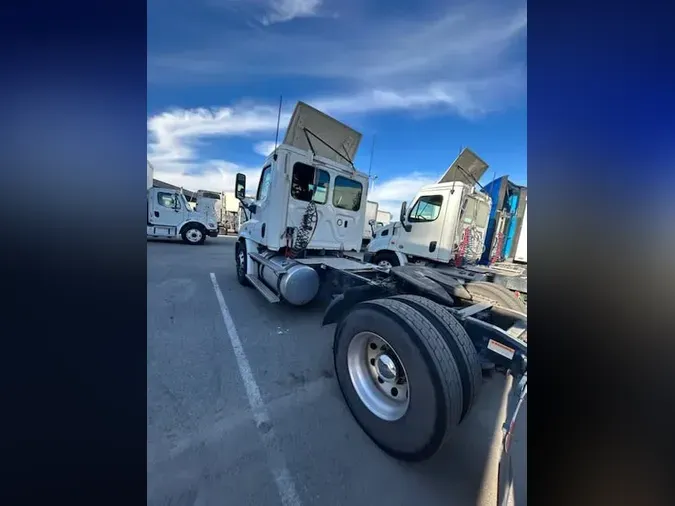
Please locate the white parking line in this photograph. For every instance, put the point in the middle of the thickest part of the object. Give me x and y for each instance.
(277, 462)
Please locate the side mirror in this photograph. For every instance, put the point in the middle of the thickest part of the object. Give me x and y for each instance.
(402, 217)
(240, 186)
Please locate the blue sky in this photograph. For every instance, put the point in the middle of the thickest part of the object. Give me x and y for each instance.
(424, 78)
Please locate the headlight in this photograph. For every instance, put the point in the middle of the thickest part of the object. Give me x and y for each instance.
(211, 225)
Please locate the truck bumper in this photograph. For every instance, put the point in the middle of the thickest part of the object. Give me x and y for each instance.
(368, 257)
(212, 233)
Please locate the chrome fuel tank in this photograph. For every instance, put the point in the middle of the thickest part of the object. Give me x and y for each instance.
(297, 283)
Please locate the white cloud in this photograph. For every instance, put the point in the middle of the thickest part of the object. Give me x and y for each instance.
(264, 148)
(281, 11)
(459, 61)
(390, 193)
(174, 138)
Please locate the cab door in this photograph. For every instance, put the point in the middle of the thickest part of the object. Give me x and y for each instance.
(166, 208)
(426, 218)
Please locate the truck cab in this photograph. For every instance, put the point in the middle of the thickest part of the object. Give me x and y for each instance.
(171, 217)
(309, 182)
(446, 220)
(309, 206)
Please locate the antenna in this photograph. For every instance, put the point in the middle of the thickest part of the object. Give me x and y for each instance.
(276, 136)
(452, 190)
(372, 152)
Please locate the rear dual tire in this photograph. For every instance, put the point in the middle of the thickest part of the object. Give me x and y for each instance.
(497, 294)
(437, 361)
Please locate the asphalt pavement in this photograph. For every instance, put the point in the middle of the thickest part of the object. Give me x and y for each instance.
(243, 407)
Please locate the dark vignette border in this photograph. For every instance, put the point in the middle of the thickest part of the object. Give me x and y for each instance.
(73, 271)
(601, 168)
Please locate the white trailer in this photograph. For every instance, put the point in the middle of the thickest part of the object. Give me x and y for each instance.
(409, 340)
(228, 213)
(170, 216)
(383, 219)
(521, 247)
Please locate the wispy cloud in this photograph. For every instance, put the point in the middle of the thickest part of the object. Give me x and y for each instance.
(264, 148)
(281, 11)
(174, 136)
(463, 60)
(466, 43)
(390, 193)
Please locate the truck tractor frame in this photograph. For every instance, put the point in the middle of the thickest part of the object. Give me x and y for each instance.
(411, 341)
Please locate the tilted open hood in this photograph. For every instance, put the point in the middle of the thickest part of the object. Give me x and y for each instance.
(339, 136)
(471, 165)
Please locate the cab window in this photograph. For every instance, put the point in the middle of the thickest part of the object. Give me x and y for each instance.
(347, 194)
(475, 212)
(427, 208)
(169, 200)
(265, 183)
(304, 187)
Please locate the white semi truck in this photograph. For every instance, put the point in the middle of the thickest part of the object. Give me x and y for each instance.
(171, 217)
(410, 340)
(445, 228)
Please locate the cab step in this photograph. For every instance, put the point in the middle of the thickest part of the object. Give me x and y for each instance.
(271, 297)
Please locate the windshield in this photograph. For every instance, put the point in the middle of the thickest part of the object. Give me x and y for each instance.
(186, 205)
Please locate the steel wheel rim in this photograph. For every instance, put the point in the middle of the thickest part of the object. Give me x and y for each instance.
(194, 235)
(385, 263)
(378, 376)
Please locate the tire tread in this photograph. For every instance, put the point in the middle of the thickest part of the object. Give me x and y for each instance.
(429, 336)
(458, 340)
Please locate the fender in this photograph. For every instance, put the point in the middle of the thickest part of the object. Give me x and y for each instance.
(402, 258)
(383, 243)
(188, 222)
(341, 304)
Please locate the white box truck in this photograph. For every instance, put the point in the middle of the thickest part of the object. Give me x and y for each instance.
(171, 217)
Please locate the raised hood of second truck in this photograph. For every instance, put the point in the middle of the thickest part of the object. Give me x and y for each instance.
(466, 167)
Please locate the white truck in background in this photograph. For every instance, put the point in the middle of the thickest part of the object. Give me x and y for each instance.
(169, 216)
(372, 208)
(521, 247)
(445, 228)
(229, 213)
(223, 207)
(383, 219)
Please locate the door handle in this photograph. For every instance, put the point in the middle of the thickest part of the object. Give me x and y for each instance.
(156, 214)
